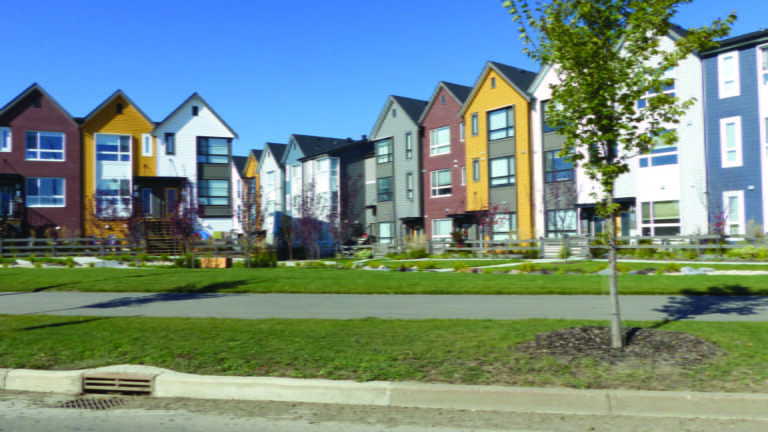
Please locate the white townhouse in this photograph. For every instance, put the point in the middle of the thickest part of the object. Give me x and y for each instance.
(271, 182)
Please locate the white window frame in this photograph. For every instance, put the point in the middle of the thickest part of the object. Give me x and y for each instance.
(463, 176)
(118, 152)
(270, 180)
(436, 189)
(63, 190)
(723, 91)
(436, 234)
(390, 239)
(6, 141)
(147, 145)
(409, 145)
(439, 148)
(741, 222)
(504, 226)
(409, 186)
(651, 224)
(723, 142)
(462, 132)
(63, 150)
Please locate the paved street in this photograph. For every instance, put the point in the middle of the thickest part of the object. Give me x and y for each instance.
(260, 306)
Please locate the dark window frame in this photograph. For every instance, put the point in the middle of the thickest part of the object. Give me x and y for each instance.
(170, 143)
(511, 179)
(389, 193)
(509, 131)
(553, 175)
(203, 155)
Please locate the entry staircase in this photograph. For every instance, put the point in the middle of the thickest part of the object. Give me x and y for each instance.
(552, 246)
(161, 239)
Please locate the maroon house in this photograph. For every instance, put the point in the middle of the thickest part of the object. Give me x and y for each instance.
(443, 163)
(40, 159)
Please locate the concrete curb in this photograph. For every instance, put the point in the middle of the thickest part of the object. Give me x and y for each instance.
(748, 406)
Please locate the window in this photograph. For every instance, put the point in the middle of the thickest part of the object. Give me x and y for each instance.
(556, 168)
(463, 175)
(505, 226)
(146, 145)
(408, 145)
(114, 198)
(461, 132)
(171, 201)
(764, 64)
(45, 192)
(493, 82)
(170, 144)
(560, 222)
(37, 102)
(45, 146)
(394, 112)
(213, 192)
(384, 151)
(503, 171)
(113, 148)
(662, 153)
(440, 141)
(442, 99)
(270, 180)
(730, 142)
(5, 139)
(146, 201)
(384, 188)
(668, 89)
(501, 123)
(441, 183)
(476, 170)
(728, 74)
(119, 108)
(733, 209)
(441, 228)
(195, 110)
(475, 125)
(545, 118)
(386, 232)
(213, 150)
(660, 218)
(409, 185)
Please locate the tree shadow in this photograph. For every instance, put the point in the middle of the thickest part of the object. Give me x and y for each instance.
(50, 287)
(63, 324)
(716, 300)
(180, 293)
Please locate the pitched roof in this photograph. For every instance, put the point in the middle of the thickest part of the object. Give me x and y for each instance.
(239, 162)
(277, 150)
(413, 108)
(26, 92)
(457, 91)
(197, 95)
(316, 145)
(107, 101)
(256, 154)
(751, 38)
(518, 79)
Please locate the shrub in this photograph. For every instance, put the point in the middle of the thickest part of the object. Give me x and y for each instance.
(91, 264)
(565, 253)
(671, 268)
(38, 264)
(749, 252)
(144, 257)
(418, 253)
(32, 258)
(165, 257)
(262, 260)
(426, 265)
(187, 261)
(528, 267)
(363, 254)
(459, 266)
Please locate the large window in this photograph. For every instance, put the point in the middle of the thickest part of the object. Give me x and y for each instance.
(733, 209)
(384, 188)
(113, 148)
(662, 153)
(505, 226)
(213, 192)
(728, 74)
(660, 218)
(386, 232)
(556, 168)
(667, 89)
(730, 142)
(501, 123)
(5, 139)
(560, 222)
(441, 183)
(45, 192)
(545, 118)
(113, 198)
(213, 150)
(441, 228)
(503, 171)
(440, 141)
(384, 151)
(44, 146)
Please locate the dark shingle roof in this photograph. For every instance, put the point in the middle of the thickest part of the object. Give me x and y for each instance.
(520, 77)
(748, 37)
(413, 107)
(277, 150)
(460, 91)
(240, 162)
(256, 154)
(316, 145)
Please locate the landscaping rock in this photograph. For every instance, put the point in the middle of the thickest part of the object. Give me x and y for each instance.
(706, 269)
(688, 271)
(605, 272)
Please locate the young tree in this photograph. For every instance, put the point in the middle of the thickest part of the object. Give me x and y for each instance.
(249, 215)
(342, 216)
(308, 223)
(184, 216)
(607, 54)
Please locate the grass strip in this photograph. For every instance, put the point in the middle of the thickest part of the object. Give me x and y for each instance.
(441, 351)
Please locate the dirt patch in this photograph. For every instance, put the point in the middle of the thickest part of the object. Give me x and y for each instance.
(647, 345)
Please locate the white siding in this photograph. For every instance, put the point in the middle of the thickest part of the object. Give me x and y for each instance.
(237, 200)
(274, 195)
(542, 93)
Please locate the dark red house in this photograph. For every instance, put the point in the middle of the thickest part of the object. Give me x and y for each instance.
(40, 159)
(444, 164)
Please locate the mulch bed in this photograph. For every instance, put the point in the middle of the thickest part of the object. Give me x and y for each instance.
(649, 345)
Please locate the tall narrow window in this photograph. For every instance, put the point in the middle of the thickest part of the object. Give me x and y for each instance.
(409, 145)
(475, 125)
(195, 110)
(146, 145)
(119, 108)
(463, 175)
(442, 99)
(384, 189)
(730, 142)
(440, 141)
(493, 83)
(170, 144)
(146, 201)
(476, 170)
(733, 209)
(5, 139)
(461, 132)
(394, 112)
(728, 74)
(409, 185)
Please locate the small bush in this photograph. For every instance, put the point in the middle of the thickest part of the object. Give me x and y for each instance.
(565, 253)
(144, 258)
(528, 267)
(749, 253)
(165, 257)
(459, 266)
(187, 261)
(32, 258)
(262, 260)
(38, 264)
(363, 254)
(91, 264)
(418, 253)
(426, 265)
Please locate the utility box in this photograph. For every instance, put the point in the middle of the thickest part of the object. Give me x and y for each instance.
(216, 262)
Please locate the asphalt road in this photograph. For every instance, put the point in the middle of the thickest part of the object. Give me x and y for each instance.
(328, 306)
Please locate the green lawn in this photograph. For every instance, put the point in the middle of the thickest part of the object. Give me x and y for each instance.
(440, 264)
(455, 351)
(302, 280)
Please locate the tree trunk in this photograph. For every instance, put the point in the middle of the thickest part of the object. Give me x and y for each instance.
(617, 340)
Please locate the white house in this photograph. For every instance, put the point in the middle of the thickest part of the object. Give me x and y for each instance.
(271, 182)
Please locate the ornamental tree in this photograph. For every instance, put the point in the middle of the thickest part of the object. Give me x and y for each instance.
(608, 55)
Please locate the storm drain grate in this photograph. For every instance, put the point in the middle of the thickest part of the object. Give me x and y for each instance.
(92, 403)
(118, 383)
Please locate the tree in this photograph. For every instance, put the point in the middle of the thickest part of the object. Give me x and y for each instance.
(608, 56)
(184, 216)
(249, 215)
(342, 217)
(308, 223)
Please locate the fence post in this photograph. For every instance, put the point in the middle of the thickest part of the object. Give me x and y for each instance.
(541, 247)
(698, 247)
(101, 252)
(53, 248)
(2, 246)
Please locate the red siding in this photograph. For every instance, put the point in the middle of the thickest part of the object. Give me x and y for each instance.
(24, 116)
(440, 115)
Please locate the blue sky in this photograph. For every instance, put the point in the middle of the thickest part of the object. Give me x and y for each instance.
(271, 68)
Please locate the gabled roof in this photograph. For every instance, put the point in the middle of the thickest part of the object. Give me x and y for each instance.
(197, 95)
(253, 155)
(256, 154)
(518, 79)
(315, 145)
(277, 151)
(344, 145)
(413, 108)
(26, 92)
(457, 91)
(539, 79)
(240, 162)
(753, 38)
(115, 95)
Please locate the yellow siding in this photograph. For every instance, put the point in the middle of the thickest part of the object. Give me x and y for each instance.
(130, 122)
(489, 99)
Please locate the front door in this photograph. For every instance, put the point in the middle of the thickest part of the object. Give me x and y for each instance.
(146, 202)
(171, 201)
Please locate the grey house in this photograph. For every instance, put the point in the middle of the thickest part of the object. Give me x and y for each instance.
(394, 211)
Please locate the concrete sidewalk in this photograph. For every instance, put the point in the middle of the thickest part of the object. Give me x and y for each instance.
(168, 383)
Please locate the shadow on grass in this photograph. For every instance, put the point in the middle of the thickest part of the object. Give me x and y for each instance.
(180, 293)
(63, 324)
(716, 300)
(50, 287)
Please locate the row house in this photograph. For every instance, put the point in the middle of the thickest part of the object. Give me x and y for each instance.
(271, 171)
(248, 207)
(238, 193)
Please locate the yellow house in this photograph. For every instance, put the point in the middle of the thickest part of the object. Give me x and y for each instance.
(498, 149)
(117, 146)
(251, 191)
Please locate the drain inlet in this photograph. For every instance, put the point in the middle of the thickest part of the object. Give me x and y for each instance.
(98, 404)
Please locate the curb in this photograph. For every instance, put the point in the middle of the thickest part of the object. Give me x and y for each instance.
(747, 406)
